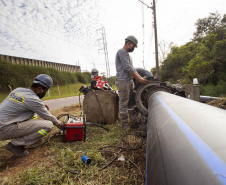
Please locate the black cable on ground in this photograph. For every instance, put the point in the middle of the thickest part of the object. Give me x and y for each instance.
(73, 172)
(121, 147)
(56, 157)
(95, 124)
(127, 159)
(53, 145)
(109, 162)
(101, 150)
(61, 115)
(119, 153)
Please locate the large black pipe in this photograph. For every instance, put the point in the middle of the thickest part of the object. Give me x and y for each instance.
(186, 142)
(206, 99)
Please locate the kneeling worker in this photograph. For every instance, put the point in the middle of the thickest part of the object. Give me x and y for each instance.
(16, 113)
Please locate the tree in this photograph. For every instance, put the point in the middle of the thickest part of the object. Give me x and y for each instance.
(203, 58)
(171, 69)
(199, 68)
(223, 21)
(164, 48)
(209, 24)
(111, 80)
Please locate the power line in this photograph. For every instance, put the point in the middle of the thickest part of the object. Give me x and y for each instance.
(142, 8)
(151, 39)
(156, 38)
(145, 4)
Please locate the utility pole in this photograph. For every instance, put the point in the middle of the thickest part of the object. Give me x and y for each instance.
(156, 38)
(105, 51)
(142, 7)
(156, 41)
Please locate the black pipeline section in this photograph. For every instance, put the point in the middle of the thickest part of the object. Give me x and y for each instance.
(205, 99)
(186, 142)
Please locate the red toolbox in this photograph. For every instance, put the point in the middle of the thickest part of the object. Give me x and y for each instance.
(75, 130)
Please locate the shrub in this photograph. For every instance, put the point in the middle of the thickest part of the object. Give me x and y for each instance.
(23, 75)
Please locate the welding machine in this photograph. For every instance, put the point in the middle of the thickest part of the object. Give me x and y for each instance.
(74, 129)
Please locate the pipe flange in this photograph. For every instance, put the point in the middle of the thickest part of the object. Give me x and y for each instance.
(142, 93)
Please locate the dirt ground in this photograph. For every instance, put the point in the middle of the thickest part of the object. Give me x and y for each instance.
(10, 165)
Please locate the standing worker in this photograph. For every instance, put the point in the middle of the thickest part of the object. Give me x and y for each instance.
(16, 113)
(125, 73)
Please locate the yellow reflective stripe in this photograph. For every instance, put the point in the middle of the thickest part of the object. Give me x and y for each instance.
(42, 132)
(34, 117)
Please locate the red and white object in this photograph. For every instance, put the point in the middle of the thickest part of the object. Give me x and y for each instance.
(75, 129)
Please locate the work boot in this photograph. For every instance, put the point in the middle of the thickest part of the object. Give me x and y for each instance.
(17, 150)
(142, 130)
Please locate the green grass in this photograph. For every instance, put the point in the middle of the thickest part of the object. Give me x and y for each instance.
(46, 171)
(49, 172)
(65, 91)
(3, 95)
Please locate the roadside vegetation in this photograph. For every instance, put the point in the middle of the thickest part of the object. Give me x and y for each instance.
(17, 75)
(204, 57)
(65, 83)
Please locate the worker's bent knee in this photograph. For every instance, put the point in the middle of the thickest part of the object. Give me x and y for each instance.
(48, 126)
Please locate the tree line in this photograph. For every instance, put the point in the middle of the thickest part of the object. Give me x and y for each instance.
(204, 57)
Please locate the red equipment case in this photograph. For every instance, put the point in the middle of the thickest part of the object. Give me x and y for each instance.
(75, 130)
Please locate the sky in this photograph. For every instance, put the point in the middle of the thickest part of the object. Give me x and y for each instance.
(71, 31)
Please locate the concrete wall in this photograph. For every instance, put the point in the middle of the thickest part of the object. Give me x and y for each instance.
(31, 62)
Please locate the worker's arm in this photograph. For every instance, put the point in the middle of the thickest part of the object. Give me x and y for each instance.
(140, 79)
(37, 106)
(47, 107)
(61, 124)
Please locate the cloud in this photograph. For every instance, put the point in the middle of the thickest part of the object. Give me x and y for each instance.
(58, 31)
(69, 31)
